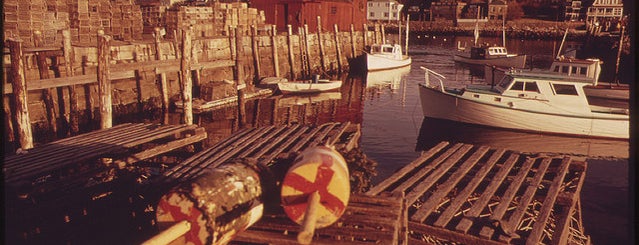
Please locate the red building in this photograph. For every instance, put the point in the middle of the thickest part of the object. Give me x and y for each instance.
(299, 12)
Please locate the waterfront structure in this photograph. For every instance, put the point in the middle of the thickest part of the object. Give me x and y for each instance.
(297, 13)
(380, 10)
(443, 10)
(604, 13)
(497, 10)
(573, 10)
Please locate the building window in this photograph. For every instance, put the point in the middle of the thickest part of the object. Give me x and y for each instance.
(333, 10)
(372, 14)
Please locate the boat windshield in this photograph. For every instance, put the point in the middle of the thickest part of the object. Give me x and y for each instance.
(505, 83)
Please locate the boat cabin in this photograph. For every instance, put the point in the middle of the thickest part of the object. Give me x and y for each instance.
(393, 51)
(584, 68)
(485, 52)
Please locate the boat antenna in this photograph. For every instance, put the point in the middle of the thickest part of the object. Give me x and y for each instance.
(562, 44)
(503, 31)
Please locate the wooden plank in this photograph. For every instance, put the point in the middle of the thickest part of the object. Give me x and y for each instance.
(462, 197)
(300, 131)
(229, 152)
(549, 202)
(427, 169)
(259, 143)
(443, 189)
(448, 235)
(563, 223)
(485, 197)
(320, 137)
(164, 148)
(277, 140)
(335, 136)
(375, 190)
(507, 197)
(425, 185)
(185, 165)
(524, 201)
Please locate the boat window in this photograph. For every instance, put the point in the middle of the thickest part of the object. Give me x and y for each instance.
(574, 70)
(388, 49)
(518, 86)
(566, 89)
(564, 69)
(556, 68)
(376, 48)
(583, 71)
(531, 87)
(505, 82)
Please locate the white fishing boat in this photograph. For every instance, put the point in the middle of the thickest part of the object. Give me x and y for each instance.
(525, 101)
(386, 56)
(586, 69)
(485, 54)
(309, 86)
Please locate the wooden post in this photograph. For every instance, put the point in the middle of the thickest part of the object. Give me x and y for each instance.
(185, 75)
(376, 34)
(256, 52)
(291, 55)
(104, 84)
(47, 96)
(365, 34)
(338, 48)
(138, 78)
(74, 116)
(308, 59)
(407, 32)
(353, 41)
(276, 62)
(164, 87)
(19, 87)
(321, 43)
(239, 66)
(383, 34)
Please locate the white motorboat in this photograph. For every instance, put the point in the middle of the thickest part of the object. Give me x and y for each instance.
(526, 101)
(309, 86)
(492, 55)
(386, 56)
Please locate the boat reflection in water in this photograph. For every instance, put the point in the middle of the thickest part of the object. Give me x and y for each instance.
(435, 130)
(387, 78)
(302, 99)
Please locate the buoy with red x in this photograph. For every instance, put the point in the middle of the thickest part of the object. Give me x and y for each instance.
(315, 190)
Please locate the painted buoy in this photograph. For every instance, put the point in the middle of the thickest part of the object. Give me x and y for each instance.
(316, 189)
(219, 204)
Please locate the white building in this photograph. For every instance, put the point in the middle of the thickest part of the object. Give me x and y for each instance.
(383, 10)
(603, 12)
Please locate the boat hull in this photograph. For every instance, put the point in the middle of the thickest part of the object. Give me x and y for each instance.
(306, 88)
(378, 63)
(517, 61)
(438, 104)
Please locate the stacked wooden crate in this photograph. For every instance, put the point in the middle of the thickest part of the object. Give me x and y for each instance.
(121, 19)
(214, 19)
(22, 18)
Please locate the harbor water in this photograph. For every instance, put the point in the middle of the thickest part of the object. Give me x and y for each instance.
(394, 130)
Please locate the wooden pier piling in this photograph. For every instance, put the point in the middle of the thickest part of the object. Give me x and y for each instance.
(19, 86)
(164, 87)
(104, 82)
(47, 94)
(185, 78)
(276, 62)
(353, 42)
(256, 53)
(320, 41)
(291, 54)
(74, 111)
(241, 85)
(338, 49)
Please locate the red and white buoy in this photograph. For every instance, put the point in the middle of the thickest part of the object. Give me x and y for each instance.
(315, 190)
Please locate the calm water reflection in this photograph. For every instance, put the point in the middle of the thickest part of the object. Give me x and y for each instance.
(387, 106)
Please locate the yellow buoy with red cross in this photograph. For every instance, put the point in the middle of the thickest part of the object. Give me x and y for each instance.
(315, 190)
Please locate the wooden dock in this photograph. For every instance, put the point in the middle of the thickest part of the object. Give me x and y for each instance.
(56, 188)
(466, 194)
